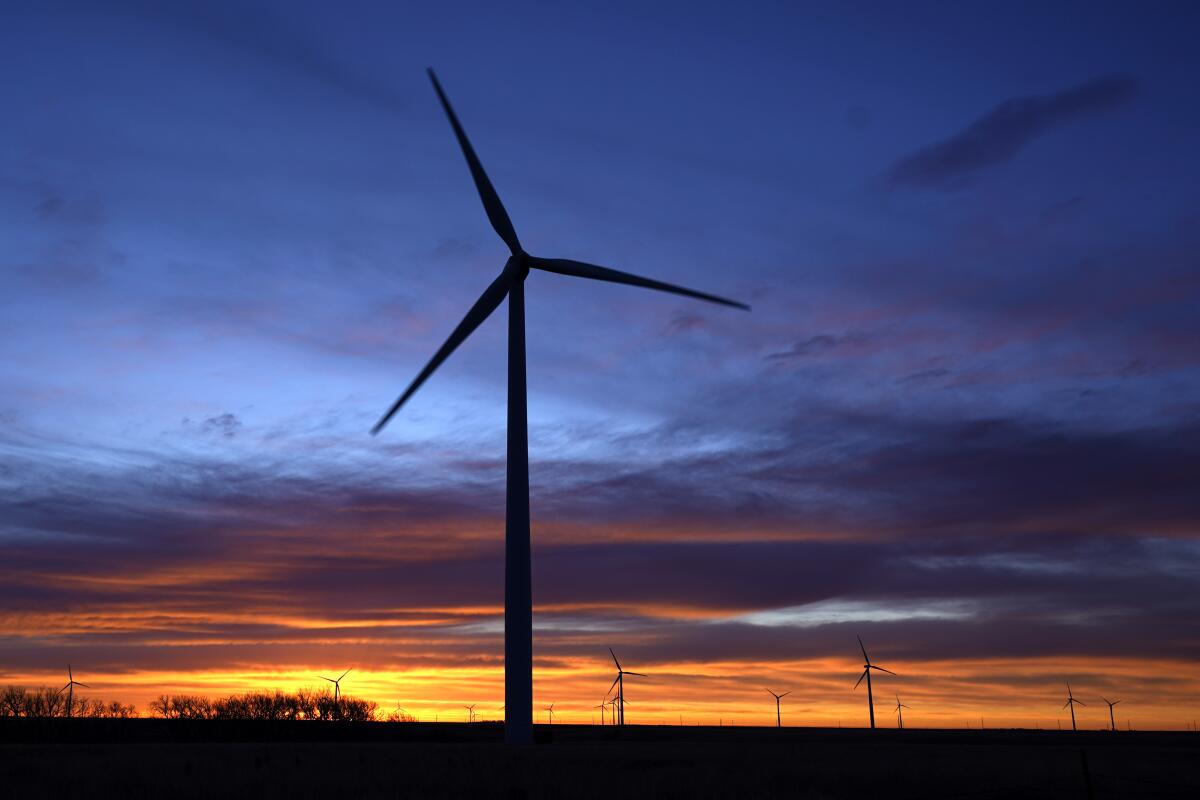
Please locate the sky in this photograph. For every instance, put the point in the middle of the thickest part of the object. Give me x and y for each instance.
(961, 421)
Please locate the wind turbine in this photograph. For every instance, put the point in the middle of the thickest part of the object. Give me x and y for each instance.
(900, 713)
(70, 689)
(470, 712)
(1071, 701)
(619, 682)
(1112, 720)
(518, 600)
(337, 684)
(550, 708)
(601, 707)
(867, 667)
(778, 697)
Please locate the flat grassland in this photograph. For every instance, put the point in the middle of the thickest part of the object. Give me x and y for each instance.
(184, 759)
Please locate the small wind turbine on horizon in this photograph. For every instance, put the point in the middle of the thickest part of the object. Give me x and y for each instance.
(70, 689)
(550, 708)
(900, 714)
(1111, 718)
(337, 684)
(778, 697)
(1071, 701)
(602, 705)
(510, 284)
(866, 673)
(619, 683)
(470, 712)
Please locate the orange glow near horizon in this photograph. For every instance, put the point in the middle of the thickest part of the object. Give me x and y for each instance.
(230, 622)
(729, 692)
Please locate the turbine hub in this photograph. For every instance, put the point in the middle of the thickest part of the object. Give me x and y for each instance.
(517, 265)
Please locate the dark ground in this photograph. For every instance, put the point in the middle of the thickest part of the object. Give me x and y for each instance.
(158, 758)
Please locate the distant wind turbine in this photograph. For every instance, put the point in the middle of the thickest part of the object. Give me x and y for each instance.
(619, 683)
(778, 697)
(1111, 718)
(1071, 701)
(470, 712)
(70, 689)
(550, 708)
(900, 713)
(602, 706)
(337, 684)
(866, 673)
(518, 601)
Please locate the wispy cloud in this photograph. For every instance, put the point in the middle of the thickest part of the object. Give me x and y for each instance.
(1004, 131)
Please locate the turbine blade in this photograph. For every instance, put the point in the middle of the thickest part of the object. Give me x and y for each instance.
(640, 675)
(1066, 704)
(785, 694)
(344, 674)
(487, 193)
(866, 657)
(860, 678)
(614, 655)
(484, 306)
(614, 684)
(578, 269)
(881, 669)
(84, 685)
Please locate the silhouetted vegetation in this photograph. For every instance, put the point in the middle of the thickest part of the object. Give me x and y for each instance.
(17, 701)
(272, 706)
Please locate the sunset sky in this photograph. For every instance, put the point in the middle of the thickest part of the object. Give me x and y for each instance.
(961, 421)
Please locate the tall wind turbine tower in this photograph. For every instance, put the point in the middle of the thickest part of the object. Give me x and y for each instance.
(778, 697)
(1112, 720)
(518, 600)
(70, 689)
(337, 684)
(866, 673)
(1071, 703)
(619, 683)
(900, 714)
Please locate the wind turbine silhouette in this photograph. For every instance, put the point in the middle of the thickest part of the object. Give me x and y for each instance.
(337, 684)
(70, 689)
(778, 697)
(1071, 701)
(471, 712)
(1112, 720)
(601, 707)
(619, 682)
(900, 713)
(518, 601)
(550, 708)
(867, 667)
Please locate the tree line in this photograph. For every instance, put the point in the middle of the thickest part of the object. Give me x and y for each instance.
(305, 704)
(17, 701)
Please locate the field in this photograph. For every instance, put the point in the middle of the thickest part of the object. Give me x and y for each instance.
(158, 758)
